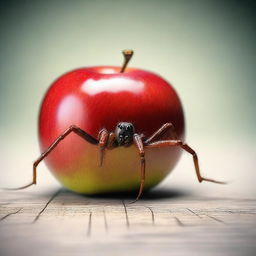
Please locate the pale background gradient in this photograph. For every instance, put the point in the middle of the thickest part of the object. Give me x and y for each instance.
(206, 49)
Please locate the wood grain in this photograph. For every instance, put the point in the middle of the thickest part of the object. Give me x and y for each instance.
(63, 223)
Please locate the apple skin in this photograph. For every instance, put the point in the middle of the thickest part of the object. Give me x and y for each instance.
(99, 97)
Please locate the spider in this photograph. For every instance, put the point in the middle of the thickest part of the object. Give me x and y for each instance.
(124, 136)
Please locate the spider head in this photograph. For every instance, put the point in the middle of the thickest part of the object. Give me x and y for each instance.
(124, 133)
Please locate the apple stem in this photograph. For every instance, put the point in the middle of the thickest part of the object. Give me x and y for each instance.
(127, 56)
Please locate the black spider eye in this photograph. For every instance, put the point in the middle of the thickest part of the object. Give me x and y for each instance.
(119, 126)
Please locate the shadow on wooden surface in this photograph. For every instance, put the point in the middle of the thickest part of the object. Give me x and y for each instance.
(36, 195)
(154, 194)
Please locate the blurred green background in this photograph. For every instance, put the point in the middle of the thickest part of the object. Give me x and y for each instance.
(206, 49)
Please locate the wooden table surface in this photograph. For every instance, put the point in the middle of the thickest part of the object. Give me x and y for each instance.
(164, 222)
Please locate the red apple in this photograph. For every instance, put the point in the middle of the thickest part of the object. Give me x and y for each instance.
(99, 97)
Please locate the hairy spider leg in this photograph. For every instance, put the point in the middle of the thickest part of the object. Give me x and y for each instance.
(139, 144)
(111, 140)
(72, 128)
(164, 143)
(103, 141)
(161, 132)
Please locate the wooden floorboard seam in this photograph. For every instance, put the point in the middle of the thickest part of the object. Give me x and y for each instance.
(46, 205)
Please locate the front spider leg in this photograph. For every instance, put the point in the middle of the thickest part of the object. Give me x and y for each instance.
(103, 140)
(111, 140)
(163, 143)
(72, 128)
(106, 140)
(139, 144)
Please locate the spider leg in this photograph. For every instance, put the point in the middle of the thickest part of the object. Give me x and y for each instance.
(163, 143)
(103, 140)
(139, 144)
(111, 140)
(72, 128)
(161, 132)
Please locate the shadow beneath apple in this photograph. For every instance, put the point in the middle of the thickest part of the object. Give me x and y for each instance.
(153, 194)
